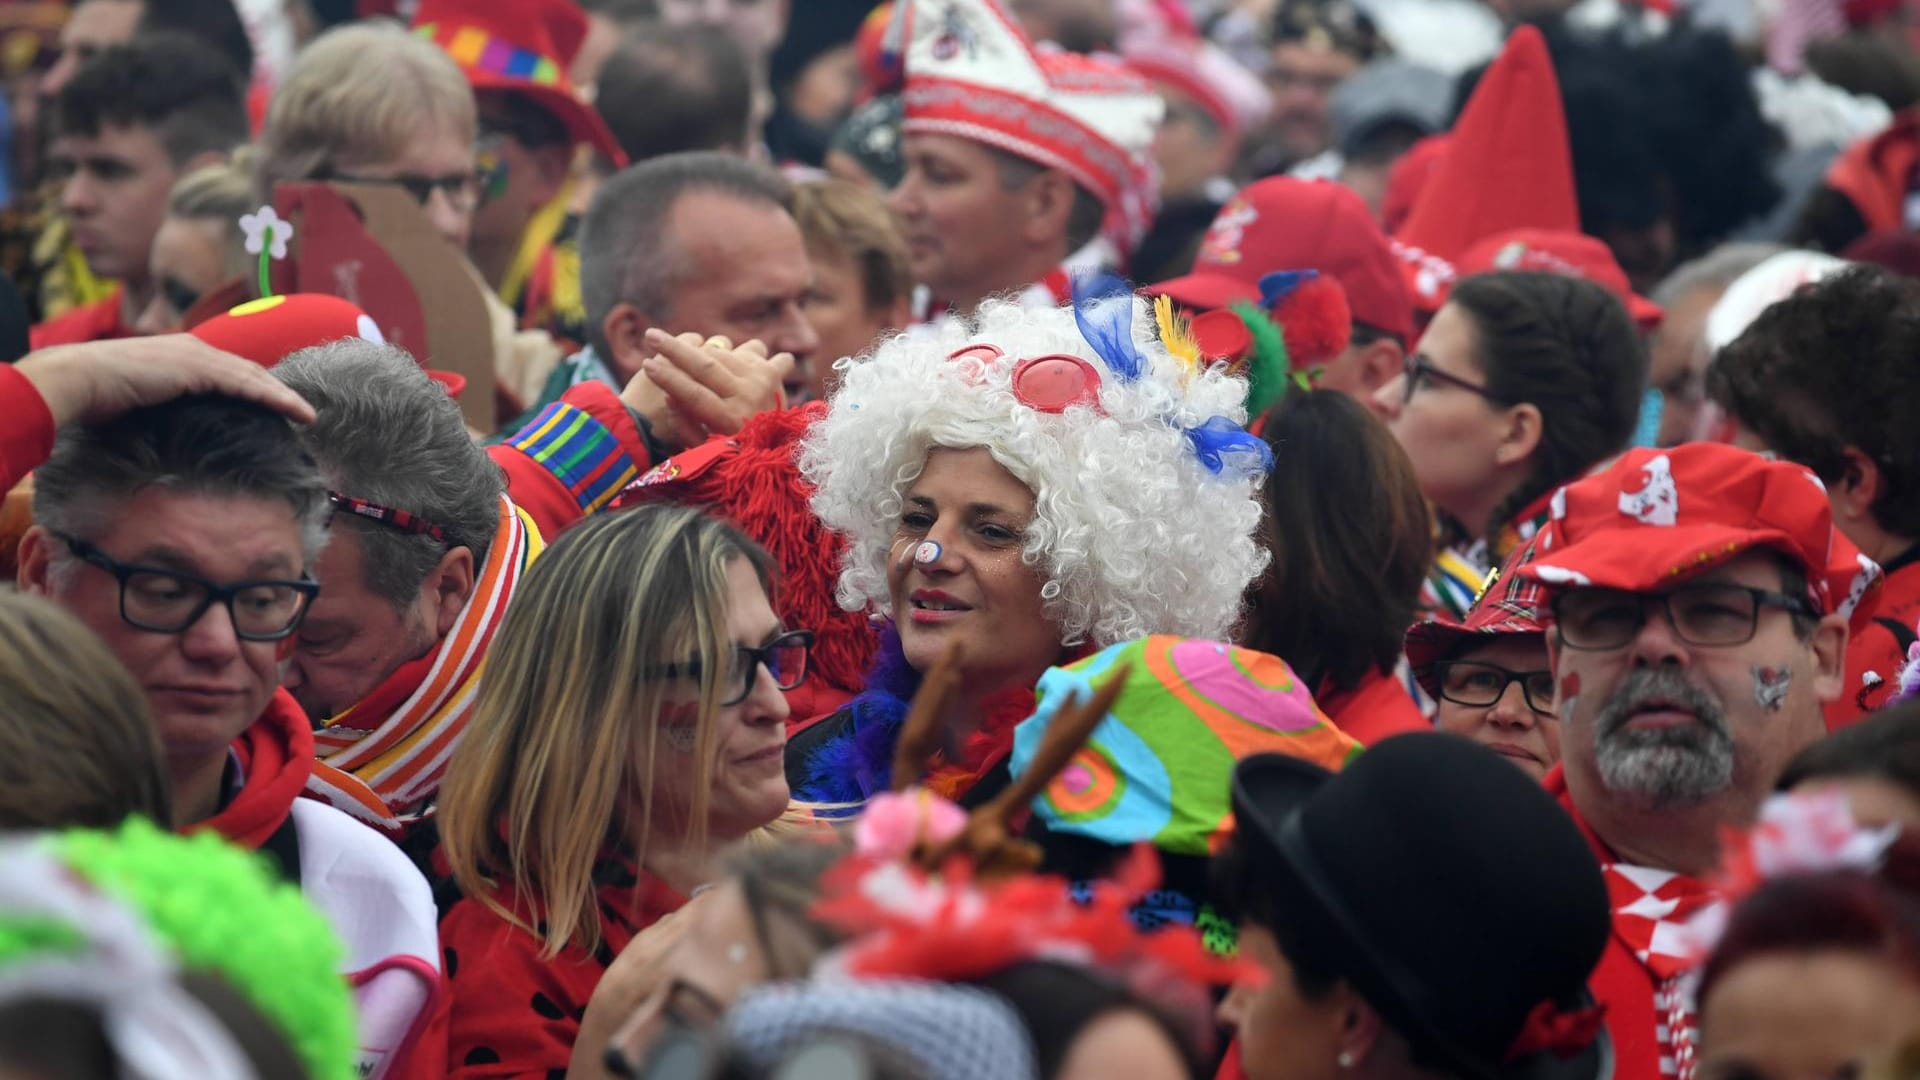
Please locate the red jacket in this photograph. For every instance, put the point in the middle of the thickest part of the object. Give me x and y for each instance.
(26, 437)
(1621, 984)
(98, 321)
(516, 1013)
(1379, 707)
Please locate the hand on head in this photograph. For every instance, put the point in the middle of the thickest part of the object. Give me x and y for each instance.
(96, 381)
(691, 387)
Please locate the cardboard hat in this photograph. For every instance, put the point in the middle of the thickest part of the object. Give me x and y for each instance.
(1509, 605)
(1655, 518)
(1507, 165)
(268, 330)
(1283, 223)
(1571, 254)
(972, 73)
(1449, 888)
(522, 46)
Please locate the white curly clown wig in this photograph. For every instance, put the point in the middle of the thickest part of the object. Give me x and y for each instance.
(1133, 533)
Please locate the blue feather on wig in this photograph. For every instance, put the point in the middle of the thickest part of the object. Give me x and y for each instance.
(1109, 327)
(1221, 444)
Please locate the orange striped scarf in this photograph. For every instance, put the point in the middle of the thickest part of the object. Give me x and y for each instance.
(382, 759)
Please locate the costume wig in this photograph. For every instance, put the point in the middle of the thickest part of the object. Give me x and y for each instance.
(1143, 517)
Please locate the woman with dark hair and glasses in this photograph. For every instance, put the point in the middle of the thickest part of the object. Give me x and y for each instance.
(1490, 674)
(630, 723)
(1524, 381)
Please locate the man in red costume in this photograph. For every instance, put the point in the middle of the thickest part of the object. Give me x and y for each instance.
(1778, 383)
(184, 535)
(1700, 599)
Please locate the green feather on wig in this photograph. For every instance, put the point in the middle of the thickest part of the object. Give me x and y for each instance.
(216, 909)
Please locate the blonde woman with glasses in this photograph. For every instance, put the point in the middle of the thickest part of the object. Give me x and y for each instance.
(630, 724)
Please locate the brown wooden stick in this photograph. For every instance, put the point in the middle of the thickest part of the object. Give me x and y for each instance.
(920, 731)
(1070, 730)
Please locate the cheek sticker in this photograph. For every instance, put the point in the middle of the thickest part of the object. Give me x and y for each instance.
(680, 724)
(1569, 695)
(1770, 686)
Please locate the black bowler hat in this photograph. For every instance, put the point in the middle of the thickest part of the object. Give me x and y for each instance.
(1458, 897)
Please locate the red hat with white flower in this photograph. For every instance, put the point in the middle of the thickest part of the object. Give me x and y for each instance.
(268, 330)
(1655, 518)
(972, 73)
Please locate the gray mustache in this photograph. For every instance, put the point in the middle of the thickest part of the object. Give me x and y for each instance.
(1659, 684)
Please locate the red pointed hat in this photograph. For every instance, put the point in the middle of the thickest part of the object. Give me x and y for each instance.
(1507, 166)
(523, 46)
(268, 330)
(972, 73)
(1655, 518)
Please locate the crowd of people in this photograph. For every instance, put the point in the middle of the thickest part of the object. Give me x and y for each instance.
(948, 539)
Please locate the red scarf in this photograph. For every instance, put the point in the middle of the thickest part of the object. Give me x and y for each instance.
(1644, 978)
(276, 756)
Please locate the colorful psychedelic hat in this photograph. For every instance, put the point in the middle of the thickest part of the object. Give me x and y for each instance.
(1159, 767)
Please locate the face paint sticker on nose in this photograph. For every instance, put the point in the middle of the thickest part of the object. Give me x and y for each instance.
(1770, 686)
(680, 724)
(927, 553)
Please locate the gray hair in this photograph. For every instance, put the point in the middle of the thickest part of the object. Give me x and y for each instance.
(1717, 269)
(625, 254)
(388, 434)
(203, 444)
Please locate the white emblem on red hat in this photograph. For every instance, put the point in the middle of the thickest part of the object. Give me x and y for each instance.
(1657, 502)
(1560, 575)
(1228, 232)
(972, 73)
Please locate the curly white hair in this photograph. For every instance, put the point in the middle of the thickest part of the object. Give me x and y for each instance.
(1131, 533)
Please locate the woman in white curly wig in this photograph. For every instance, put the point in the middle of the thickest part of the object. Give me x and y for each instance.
(1034, 485)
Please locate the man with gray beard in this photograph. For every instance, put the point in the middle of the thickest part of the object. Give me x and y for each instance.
(1699, 601)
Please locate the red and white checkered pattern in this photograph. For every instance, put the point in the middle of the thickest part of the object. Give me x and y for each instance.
(1650, 912)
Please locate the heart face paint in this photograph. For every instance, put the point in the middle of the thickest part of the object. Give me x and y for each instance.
(1770, 686)
(680, 724)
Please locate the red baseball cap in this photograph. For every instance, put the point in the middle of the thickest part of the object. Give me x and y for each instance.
(1654, 518)
(1509, 605)
(268, 330)
(1557, 252)
(1283, 223)
(522, 46)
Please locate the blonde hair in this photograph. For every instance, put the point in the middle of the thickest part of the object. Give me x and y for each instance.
(360, 93)
(565, 728)
(77, 744)
(841, 219)
(220, 193)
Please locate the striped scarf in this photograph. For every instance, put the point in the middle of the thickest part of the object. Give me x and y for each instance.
(382, 759)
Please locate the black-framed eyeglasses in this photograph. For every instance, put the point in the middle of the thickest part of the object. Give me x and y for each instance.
(1482, 685)
(1705, 614)
(785, 657)
(169, 601)
(461, 189)
(1416, 367)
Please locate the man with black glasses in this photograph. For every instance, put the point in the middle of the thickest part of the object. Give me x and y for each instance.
(1699, 601)
(184, 535)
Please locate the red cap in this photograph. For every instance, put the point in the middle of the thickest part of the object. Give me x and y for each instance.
(267, 331)
(1572, 254)
(1510, 605)
(1654, 518)
(1507, 166)
(524, 46)
(1282, 223)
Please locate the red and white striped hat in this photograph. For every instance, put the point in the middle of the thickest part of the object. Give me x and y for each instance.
(972, 73)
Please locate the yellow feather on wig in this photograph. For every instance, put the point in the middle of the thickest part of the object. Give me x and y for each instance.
(1175, 335)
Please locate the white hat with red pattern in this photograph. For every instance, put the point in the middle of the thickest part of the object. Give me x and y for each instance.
(972, 73)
